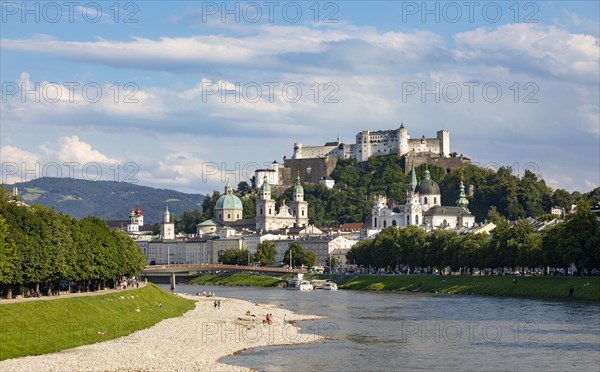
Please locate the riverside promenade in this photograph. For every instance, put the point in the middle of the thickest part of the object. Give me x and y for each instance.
(193, 342)
(70, 295)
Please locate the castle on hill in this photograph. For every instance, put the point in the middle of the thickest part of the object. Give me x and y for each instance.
(378, 143)
(314, 164)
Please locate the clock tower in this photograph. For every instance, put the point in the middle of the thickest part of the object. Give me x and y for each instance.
(167, 228)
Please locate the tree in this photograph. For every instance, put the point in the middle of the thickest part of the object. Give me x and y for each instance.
(8, 255)
(243, 188)
(436, 250)
(561, 198)
(188, 221)
(265, 253)
(578, 243)
(297, 255)
(331, 261)
(469, 251)
(309, 259)
(234, 256)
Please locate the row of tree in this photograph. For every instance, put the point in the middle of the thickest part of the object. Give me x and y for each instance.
(266, 253)
(39, 245)
(573, 242)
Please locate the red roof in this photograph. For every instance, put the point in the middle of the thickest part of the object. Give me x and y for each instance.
(352, 226)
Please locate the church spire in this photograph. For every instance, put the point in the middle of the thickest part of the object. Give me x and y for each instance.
(413, 180)
(462, 200)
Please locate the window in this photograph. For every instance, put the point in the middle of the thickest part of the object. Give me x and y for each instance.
(394, 223)
(228, 216)
(220, 216)
(384, 223)
(261, 212)
(434, 200)
(417, 219)
(303, 213)
(375, 222)
(425, 200)
(237, 216)
(269, 211)
(407, 220)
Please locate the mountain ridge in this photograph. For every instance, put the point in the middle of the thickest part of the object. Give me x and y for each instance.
(108, 200)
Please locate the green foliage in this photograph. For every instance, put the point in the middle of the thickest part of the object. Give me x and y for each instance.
(265, 253)
(243, 188)
(44, 246)
(234, 256)
(188, 221)
(561, 198)
(251, 280)
(331, 263)
(299, 256)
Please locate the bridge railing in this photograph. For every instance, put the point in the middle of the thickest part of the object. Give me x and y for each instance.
(193, 267)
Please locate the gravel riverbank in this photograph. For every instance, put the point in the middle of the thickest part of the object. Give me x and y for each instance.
(193, 342)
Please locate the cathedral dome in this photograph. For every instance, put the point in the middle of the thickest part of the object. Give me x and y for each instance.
(229, 200)
(428, 186)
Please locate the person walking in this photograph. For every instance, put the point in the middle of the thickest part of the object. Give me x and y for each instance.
(219, 304)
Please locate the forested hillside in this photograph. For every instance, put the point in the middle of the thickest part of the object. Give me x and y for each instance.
(105, 199)
(513, 196)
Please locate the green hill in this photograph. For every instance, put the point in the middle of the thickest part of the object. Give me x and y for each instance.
(108, 200)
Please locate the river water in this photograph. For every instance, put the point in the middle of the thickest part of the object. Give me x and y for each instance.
(385, 331)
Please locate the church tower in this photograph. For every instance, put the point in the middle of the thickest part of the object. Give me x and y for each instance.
(265, 207)
(462, 200)
(403, 140)
(136, 219)
(167, 228)
(413, 206)
(299, 206)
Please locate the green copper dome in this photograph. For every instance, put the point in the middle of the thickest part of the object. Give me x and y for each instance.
(229, 200)
(298, 189)
(265, 185)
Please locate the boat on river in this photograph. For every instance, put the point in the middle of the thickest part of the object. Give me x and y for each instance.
(298, 283)
(330, 286)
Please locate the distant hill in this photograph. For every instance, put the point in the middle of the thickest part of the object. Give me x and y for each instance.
(108, 200)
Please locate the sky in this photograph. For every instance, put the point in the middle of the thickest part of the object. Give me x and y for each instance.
(186, 94)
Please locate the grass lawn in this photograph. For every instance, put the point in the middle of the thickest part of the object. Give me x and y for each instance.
(40, 327)
(253, 280)
(584, 288)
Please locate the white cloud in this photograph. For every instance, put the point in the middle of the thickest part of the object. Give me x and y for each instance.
(72, 149)
(546, 49)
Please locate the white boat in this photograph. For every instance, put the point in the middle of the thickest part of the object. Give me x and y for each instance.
(330, 286)
(300, 284)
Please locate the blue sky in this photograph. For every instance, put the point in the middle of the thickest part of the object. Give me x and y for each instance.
(185, 94)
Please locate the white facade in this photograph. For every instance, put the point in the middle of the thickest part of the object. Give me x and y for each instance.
(423, 208)
(269, 219)
(378, 143)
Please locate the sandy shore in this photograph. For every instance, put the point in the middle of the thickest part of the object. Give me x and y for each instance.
(192, 342)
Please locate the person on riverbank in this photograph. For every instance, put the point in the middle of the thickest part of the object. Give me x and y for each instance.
(285, 319)
(215, 305)
(218, 304)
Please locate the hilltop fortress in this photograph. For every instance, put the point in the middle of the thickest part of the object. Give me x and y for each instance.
(314, 164)
(378, 143)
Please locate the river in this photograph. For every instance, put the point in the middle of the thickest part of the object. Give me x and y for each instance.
(381, 331)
